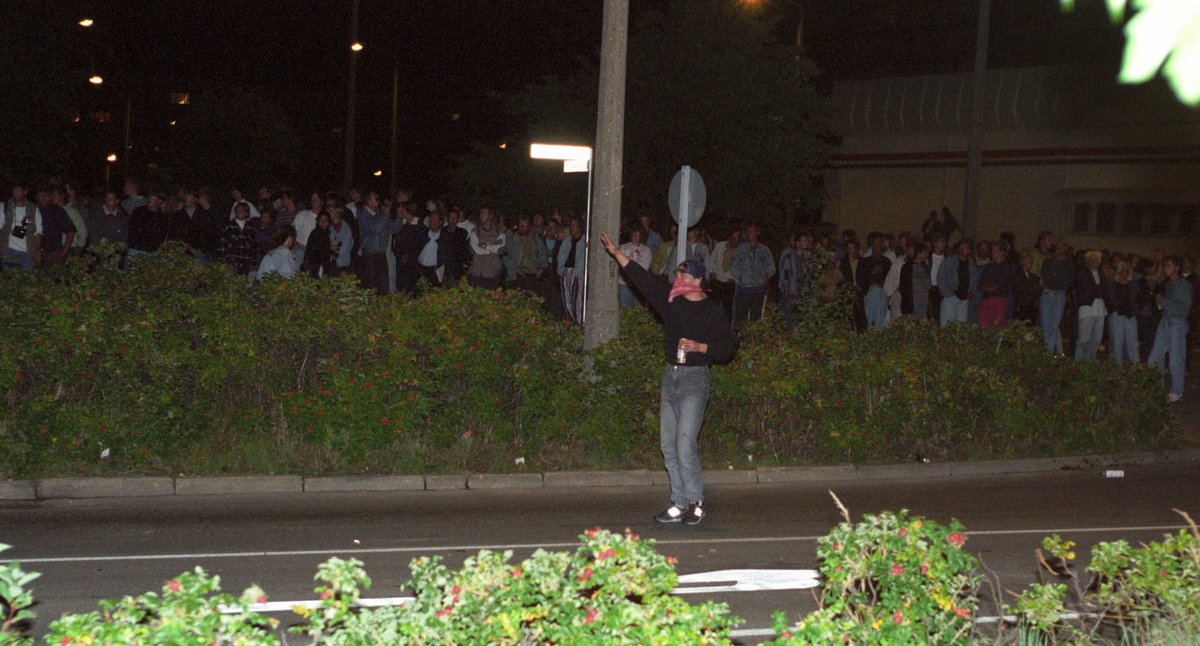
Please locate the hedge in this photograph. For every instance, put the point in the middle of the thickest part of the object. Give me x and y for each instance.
(172, 366)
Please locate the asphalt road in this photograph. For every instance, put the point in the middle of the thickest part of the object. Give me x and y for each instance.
(103, 548)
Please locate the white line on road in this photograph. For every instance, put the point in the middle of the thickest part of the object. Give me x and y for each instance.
(533, 546)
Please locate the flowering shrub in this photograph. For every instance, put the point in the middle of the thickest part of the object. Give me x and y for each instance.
(1148, 594)
(187, 612)
(893, 578)
(613, 589)
(173, 367)
(15, 600)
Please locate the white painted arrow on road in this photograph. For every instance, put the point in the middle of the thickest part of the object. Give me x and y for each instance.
(748, 581)
(734, 580)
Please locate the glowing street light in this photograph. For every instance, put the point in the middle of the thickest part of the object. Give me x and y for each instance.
(112, 158)
(95, 79)
(86, 22)
(575, 159)
(378, 173)
(356, 46)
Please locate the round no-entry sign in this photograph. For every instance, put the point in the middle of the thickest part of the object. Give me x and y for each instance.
(686, 197)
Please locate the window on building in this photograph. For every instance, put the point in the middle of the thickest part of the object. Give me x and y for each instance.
(1132, 219)
(1188, 216)
(1159, 218)
(1106, 217)
(1081, 218)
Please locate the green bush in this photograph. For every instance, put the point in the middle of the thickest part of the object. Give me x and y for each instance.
(916, 391)
(173, 367)
(613, 589)
(893, 578)
(1141, 595)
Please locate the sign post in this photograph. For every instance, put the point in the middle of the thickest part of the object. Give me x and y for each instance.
(686, 197)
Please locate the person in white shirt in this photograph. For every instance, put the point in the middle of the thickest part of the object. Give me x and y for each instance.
(305, 222)
(235, 194)
(639, 252)
(20, 230)
(935, 264)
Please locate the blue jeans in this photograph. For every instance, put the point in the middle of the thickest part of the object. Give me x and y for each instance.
(876, 305)
(1050, 312)
(684, 396)
(747, 304)
(1091, 330)
(20, 259)
(1171, 339)
(1123, 338)
(954, 309)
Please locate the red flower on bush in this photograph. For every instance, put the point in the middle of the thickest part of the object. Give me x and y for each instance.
(591, 616)
(897, 570)
(898, 617)
(903, 533)
(173, 585)
(516, 574)
(326, 595)
(956, 539)
(586, 575)
(962, 612)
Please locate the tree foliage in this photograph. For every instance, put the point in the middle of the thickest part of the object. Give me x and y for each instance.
(710, 86)
(240, 134)
(1162, 34)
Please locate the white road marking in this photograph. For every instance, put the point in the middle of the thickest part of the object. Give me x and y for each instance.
(743, 581)
(748, 581)
(533, 546)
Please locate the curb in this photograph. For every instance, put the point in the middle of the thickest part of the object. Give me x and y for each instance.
(103, 487)
(505, 481)
(17, 490)
(558, 479)
(200, 486)
(100, 487)
(445, 482)
(364, 483)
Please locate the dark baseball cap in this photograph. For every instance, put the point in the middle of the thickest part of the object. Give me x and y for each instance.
(693, 266)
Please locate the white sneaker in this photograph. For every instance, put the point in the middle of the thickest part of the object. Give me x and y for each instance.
(1174, 397)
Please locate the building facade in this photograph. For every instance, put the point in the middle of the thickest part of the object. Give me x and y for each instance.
(1069, 150)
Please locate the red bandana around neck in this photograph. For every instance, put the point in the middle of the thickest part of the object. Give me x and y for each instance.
(682, 286)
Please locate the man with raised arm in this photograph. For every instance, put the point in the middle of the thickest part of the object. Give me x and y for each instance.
(696, 335)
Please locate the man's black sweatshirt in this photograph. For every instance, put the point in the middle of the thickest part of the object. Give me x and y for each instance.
(702, 320)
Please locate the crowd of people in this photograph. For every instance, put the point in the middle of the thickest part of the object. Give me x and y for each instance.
(1143, 305)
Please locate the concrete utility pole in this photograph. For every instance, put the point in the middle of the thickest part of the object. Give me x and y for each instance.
(603, 312)
(974, 148)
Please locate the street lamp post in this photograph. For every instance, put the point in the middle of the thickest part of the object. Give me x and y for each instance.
(575, 159)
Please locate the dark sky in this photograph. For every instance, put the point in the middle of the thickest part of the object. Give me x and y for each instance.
(447, 46)
(456, 56)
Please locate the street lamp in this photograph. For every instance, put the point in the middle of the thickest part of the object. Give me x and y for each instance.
(95, 79)
(111, 159)
(575, 159)
(356, 46)
(86, 22)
